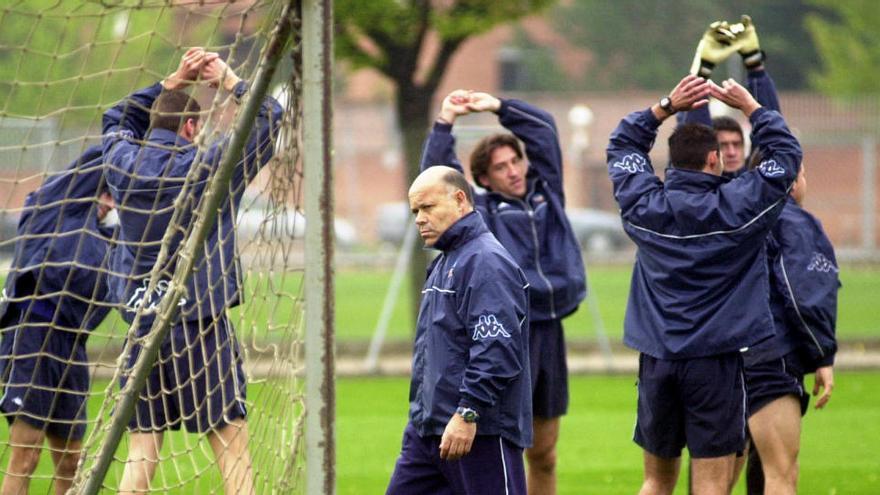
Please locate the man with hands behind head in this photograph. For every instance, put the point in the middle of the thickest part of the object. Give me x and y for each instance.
(470, 405)
(524, 206)
(198, 380)
(701, 259)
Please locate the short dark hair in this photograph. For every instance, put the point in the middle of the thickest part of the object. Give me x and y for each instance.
(725, 123)
(689, 144)
(172, 109)
(458, 181)
(481, 157)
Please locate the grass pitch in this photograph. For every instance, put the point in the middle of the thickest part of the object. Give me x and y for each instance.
(596, 455)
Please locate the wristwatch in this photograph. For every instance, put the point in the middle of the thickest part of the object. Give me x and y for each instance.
(666, 105)
(468, 414)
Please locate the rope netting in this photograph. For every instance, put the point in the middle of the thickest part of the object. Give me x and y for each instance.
(114, 226)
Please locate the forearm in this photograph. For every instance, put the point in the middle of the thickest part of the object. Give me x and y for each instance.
(133, 112)
(440, 148)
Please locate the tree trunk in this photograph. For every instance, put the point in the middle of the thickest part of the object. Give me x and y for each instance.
(413, 118)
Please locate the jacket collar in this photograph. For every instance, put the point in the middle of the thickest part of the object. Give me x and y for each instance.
(692, 181)
(168, 138)
(465, 229)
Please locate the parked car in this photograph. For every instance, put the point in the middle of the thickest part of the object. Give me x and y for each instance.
(595, 230)
(255, 221)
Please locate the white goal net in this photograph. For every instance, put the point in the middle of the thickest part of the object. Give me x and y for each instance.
(125, 244)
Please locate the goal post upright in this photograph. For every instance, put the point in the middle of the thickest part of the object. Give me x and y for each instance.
(317, 50)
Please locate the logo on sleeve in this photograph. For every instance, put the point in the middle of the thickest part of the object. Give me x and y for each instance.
(820, 263)
(489, 326)
(632, 163)
(769, 168)
(120, 134)
(150, 302)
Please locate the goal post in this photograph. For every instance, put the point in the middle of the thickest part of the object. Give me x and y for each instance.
(273, 332)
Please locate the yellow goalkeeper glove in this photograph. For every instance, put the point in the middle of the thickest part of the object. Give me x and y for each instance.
(717, 43)
(747, 40)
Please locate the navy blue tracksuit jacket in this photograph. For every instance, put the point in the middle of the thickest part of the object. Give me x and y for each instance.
(145, 178)
(472, 346)
(700, 284)
(803, 297)
(535, 229)
(61, 248)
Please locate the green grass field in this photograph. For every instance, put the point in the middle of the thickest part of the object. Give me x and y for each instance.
(596, 455)
(360, 294)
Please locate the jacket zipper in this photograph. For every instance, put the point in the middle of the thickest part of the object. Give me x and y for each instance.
(531, 213)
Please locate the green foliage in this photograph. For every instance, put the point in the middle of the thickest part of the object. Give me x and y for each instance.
(380, 32)
(55, 56)
(650, 45)
(849, 45)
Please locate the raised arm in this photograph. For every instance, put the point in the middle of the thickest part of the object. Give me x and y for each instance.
(782, 153)
(537, 130)
(260, 146)
(629, 166)
(130, 118)
(439, 148)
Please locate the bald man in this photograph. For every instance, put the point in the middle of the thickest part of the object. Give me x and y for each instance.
(470, 411)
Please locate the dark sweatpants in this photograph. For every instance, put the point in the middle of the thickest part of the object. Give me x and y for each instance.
(494, 465)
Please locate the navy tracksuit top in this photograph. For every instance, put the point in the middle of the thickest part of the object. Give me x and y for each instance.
(62, 250)
(472, 347)
(700, 284)
(803, 297)
(145, 178)
(535, 229)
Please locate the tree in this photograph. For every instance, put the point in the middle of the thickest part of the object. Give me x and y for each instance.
(849, 47)
(392, 37)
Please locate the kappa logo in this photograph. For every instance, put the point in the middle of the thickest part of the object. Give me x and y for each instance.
(120, 134)
(769, 168)
(819, 263)
(152, 302)
(489, 326)
(632, 163)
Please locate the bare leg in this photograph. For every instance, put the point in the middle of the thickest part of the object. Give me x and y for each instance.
(712, 475)
(230, 446)
(143, 457)
(542, 456)
(660, 474)
(65, 456)
(776, 432)
(25, 441)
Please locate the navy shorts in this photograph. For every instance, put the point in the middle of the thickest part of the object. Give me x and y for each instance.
(494, 465)
(198, 380)
(770, 380)
(45, 375)
(698, 403)
(549, 369)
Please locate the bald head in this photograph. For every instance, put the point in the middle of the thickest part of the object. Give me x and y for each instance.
(438, 198)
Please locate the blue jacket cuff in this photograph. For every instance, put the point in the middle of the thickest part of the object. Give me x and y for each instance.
(442, 127)
(757, 114)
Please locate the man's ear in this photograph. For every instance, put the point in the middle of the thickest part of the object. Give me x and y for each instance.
(713, 161)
